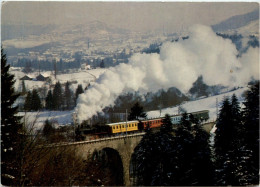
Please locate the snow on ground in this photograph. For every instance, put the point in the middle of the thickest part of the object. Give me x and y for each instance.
(208, 103)
(82, 77)
(38, 118)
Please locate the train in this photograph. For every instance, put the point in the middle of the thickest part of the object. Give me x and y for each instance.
(113, 129)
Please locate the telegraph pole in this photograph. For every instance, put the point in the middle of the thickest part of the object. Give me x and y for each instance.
(126, 121)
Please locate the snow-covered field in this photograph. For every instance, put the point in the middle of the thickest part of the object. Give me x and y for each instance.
(37, 119)
(65, 117)
(208, 103)
(82, 77)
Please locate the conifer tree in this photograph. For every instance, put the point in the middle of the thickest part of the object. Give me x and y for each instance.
(228, 144)
(48, 129)
(236, 118)
(10, 126)
(68, 97)
(23, 88)
(202, 165)
(184, 152)
(251, 132)
(224, 129)
(57, 97)
(153, 158)
(49, 101)
(36, 101)
(166, 125)
(28, 101)
(137, 112)
(79, 90)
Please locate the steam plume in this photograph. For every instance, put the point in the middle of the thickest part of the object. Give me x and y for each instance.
(179, 64)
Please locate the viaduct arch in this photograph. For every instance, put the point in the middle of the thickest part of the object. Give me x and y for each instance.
(124, 145)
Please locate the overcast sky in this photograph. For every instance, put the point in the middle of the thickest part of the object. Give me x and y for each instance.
(129, 15)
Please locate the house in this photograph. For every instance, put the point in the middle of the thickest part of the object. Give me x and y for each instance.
(26, 77)
(42, 77)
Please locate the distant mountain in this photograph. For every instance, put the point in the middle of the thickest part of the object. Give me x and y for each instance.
(10, 31)
(251, 29)
(236, 22)
(94, 27)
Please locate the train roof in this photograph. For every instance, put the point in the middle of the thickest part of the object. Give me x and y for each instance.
(152, 119)
(122, 122)
(197, 112)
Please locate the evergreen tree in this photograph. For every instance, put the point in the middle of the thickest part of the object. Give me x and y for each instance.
(23, 88)
(49, 101)
(228, 142)
(184, 152)
(28, 101)
(251, 132)
(166, 125)
(202, 165)
(48, 129)
(57, 97)
(137, 112)
(236, 119)
(199, 88)
(153, 159)
(10, 126)
(79, 90)
(102, 64)
(36, 101)
(68, 97)
(223, 139)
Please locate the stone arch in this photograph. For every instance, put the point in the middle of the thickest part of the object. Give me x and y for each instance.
(132, 167)
(124, 146)
(111, 156)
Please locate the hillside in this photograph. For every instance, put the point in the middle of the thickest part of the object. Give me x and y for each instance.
(209, 103)
(82, 77)
(236, 22)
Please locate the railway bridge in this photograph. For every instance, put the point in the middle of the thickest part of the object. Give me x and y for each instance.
(123, 146)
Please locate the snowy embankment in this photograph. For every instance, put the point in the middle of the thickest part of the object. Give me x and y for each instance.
(65, 117)
(37, 119)
(208, 103)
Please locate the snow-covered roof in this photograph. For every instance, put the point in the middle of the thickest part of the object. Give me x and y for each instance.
(28, 76)
(119, 123)
(45, 74)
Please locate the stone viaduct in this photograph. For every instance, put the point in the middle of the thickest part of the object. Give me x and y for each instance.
(123, 145)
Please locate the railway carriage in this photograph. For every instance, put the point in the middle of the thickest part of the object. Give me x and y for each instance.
(120, 127)
(200, 115)
(152, 123)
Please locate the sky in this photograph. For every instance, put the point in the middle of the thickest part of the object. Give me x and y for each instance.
(138, 16)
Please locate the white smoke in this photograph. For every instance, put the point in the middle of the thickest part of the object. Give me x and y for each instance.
(179, 64)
